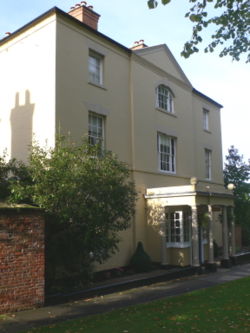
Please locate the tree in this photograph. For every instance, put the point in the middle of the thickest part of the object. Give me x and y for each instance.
(232, 26)
(88, 197)
(237, 172)
(11, 172)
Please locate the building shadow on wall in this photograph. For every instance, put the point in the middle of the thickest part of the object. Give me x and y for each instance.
(21, 120)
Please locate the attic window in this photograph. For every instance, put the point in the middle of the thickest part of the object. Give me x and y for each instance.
(164, 98)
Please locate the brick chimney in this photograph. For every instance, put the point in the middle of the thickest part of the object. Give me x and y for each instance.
(139, 45)
(85, 14)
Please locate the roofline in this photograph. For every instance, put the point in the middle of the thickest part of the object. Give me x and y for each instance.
(195, 91)
(167, 49)
(28, 25)
(56, 10)
(148, 48)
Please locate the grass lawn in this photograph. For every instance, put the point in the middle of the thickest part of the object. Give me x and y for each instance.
(224, 308)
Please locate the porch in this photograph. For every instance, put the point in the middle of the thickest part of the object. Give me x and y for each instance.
(190, 221)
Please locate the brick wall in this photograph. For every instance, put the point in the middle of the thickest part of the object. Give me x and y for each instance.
(21, 259)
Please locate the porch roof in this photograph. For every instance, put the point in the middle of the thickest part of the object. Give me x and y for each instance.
(196, 194)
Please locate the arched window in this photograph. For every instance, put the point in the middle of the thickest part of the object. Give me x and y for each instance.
(164, 98)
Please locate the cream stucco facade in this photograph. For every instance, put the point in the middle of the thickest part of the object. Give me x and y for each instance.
(45, 88)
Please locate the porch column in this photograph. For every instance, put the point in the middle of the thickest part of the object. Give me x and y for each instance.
(210, 236)
(225, 261)
(162, 222)
(195, 238)
(233, 251)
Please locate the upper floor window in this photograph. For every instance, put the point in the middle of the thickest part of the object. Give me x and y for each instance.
(205, 120)
(164, 99)
(166, 153)
(95, 68)
(177, 229)
(96, 129)
(208, 164)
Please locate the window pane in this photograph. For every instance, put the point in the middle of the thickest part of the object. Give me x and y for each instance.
(178, 227)
(205, 119)
(166, 149)
(208, 163)
(95, 68)
(178, 239)
(96, 133)
(164, 98)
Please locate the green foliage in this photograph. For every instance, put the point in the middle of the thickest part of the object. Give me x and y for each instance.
(140, 260)
(68, 262)
(89, 197)
(237, 172)
(232, 26)
(12, 172)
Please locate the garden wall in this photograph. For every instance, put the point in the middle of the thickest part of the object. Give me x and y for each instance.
(22, 258)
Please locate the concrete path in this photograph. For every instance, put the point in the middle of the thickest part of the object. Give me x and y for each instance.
(25, 320)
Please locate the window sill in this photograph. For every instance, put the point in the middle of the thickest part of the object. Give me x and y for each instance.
(97, 85)
(173, 173)
(178, 245)
(172, 114)
(207, 131)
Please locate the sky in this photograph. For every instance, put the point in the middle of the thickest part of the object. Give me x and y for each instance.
(126, 21)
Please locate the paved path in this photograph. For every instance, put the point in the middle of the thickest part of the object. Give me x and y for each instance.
(25, 320)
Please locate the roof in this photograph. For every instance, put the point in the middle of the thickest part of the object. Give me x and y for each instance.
(56, 10)
(196, 92)
(166, 49)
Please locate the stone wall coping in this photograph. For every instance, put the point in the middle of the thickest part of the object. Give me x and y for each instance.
(8, 206)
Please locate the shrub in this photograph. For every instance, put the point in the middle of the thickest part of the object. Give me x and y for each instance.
(141, 261)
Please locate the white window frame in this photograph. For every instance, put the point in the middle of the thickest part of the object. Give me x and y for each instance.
(178, 233)
(95, 67)
(208, 164)
(96, 133)
(206, 119)
(166, 153)
(164, 99)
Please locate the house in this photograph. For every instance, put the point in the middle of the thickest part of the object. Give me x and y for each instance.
(59, 72)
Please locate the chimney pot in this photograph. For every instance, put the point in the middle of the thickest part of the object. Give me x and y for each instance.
(85, 14)
(139, 45)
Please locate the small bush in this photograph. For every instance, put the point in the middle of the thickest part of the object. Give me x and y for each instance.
(141, 261)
